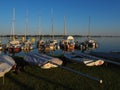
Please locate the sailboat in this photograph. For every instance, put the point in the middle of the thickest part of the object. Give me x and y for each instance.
(68, 41)
(27, 44)
(52, 43)
(90, 42)
(1, 46)
(40, 42)
(6, 64)
(14, 46)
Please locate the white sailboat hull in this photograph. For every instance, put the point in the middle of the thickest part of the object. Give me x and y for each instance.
(84, 58)
(42, 60)
(6, 64)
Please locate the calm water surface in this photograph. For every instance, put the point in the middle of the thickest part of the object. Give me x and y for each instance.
(106, 44)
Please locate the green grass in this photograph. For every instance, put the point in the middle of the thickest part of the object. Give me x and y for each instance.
(35, 78)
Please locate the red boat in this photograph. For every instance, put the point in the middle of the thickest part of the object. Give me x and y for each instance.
(14, 46)
(14, 49)
(67, 43)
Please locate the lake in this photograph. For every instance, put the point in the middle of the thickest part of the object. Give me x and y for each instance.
(105, 44)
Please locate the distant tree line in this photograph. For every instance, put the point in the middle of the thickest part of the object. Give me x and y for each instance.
(59, 35)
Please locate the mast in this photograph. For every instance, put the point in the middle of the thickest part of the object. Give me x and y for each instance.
(89, 28)
(26, 30)
(64, 26)
(13, 20)
(39, 27)
(52, 24)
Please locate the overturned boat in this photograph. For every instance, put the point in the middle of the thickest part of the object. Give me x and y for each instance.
(82, 57)
(6, 64)
(42, 60)
(47, 62)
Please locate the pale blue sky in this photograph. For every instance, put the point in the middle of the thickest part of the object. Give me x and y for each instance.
(105, 16)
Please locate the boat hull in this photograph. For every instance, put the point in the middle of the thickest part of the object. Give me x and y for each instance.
(14, 50)
(83, 58)
(6, 64)
(42, 60)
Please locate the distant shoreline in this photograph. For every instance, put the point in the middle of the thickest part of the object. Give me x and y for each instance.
(59, 36)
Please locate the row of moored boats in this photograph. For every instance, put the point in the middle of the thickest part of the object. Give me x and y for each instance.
(67, 43)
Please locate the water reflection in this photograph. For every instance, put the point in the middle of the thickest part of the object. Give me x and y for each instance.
(106, 44)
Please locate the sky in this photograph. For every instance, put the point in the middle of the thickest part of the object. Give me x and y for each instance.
(104, 16)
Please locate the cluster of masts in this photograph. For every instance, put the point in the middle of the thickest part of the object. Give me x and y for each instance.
(66, 43)
(39, 29)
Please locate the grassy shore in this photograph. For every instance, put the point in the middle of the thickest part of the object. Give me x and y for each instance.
(35, 78)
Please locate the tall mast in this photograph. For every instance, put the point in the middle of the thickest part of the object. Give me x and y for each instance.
(64, 26)
(52, 24)
(13, 20)
(26, 30)
(89, 28)
(39, 27)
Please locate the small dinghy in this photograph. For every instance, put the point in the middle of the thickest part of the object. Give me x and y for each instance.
(82, 57)
(42, 60)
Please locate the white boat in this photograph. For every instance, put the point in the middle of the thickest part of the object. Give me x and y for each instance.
(67, 43)
(13, 45)
(41, 45)
(27, 45)
(91, 43)
(42, 60)
(1, 46)
(86, 59)
(6, 64)
(53, 44)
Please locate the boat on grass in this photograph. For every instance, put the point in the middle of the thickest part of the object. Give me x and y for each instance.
(6, 64)
(82, 57)
(42, 60)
